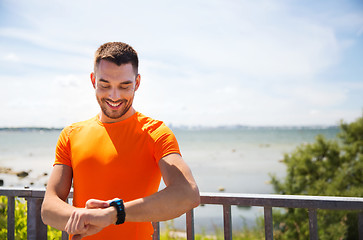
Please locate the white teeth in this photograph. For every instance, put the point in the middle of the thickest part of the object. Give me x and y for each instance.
(113, 104)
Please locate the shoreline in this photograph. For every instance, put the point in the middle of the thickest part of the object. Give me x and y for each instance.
(23, 178)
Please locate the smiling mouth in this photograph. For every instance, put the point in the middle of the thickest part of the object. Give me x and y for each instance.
(113, 104)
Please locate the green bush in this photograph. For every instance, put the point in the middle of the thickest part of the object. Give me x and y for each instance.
(20, 220)
(324, 168)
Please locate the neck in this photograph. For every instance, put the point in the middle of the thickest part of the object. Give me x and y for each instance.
(104, 119)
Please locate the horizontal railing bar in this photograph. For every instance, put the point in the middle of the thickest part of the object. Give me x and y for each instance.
(227, 199)
(21, 192)
(285, 201)
(13, 192)
(271, 200)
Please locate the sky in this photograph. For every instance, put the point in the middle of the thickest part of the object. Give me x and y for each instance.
(202, 62)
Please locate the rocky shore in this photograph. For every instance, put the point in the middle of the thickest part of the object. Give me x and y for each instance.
(24, 178)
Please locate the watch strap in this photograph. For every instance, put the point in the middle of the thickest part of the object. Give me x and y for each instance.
(120, 208)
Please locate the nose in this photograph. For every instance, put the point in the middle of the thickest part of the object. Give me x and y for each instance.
(114, 94)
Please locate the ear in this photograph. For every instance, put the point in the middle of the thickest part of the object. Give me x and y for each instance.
(137, 84)
(93, 79)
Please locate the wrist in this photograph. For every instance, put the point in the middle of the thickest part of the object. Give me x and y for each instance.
(118, 205)
(112, 214)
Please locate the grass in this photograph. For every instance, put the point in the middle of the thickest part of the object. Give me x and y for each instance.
(244, 233)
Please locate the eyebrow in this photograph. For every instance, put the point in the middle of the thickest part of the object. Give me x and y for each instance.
(127, 82)
(103, 80)
(106, 81)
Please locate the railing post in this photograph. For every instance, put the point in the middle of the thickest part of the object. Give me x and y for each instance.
(65, 235)
(268, 223)
(190, 224)
(227, 218)
(313, 224)
(360, 225)
(156, 234)
(37, 230)
(11, 218)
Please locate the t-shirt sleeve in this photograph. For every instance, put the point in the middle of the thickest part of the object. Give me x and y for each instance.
(63, 151)
(165, 142)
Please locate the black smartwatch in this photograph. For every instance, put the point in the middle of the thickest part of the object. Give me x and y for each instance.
(120, 208)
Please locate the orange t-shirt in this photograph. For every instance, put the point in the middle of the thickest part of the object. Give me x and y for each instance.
(116, 160)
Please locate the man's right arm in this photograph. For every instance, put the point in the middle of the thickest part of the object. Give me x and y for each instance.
(55, 210)
(80, 221)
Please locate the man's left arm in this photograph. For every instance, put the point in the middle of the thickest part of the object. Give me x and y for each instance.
(180, 195)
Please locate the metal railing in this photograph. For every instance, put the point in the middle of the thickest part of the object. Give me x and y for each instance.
(268, 201)
(37, 230)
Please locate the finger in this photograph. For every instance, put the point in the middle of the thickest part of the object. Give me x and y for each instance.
(66, 227)
(80, 226)
(69, 225)
(77, 237)
(94, 203)
(87, 233)
(76, 224)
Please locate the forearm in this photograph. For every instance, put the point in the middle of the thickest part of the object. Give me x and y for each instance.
(180, 195)
(56, 212)
(167, 204)
(85, 221)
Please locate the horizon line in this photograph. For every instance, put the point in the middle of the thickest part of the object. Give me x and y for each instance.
(195, 127)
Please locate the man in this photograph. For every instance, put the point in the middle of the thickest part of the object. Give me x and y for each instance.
(119, 154)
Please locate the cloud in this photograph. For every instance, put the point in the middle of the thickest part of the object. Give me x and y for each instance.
(50, 101)
(11, 57)
(202, 62)
(247, 37)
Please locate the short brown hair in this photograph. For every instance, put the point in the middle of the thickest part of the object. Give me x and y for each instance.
(118, 53)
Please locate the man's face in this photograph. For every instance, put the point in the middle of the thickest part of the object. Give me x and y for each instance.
(115, 89)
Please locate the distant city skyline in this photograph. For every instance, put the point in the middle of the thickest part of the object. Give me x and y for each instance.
(202, 63)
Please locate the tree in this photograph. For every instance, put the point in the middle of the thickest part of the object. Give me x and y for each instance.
(324, 168)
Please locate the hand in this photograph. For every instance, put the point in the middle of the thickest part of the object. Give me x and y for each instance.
(90, 220)
(94, 203)
(80, 225)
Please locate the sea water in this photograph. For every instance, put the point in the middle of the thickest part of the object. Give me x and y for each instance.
(239, 160)
(232, 159)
